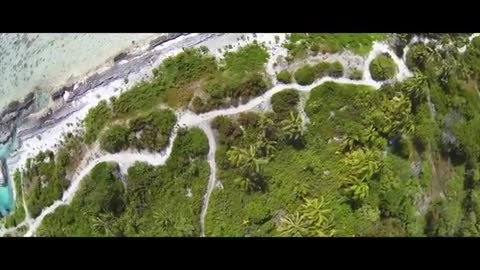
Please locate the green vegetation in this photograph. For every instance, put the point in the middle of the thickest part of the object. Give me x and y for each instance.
(334, 69)
(308, 74)
(285, 101)
(284, 76)
(356, 74)
(19, 212)
(179, 79)
(314, 220)
(307, 185)
(45, 176)
(93, 211)
(305, 75)
(115, 139)
(96, 120)
(241, 76)
(156, 201)
(150, 132)
(417, 57)
(154, 130)
(299, 44)
(383, 67)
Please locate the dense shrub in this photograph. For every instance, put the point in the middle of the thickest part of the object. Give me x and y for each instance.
(383, 67)
(115, 139)
(305, 75)
(198, 106)
(417, 56)
(152, 131)
(228, 131)
(285, 101)
(247, 59)
(248, 119)
(44, 176)
(189, 144)
(472, 55)
(356, 75)
(96, 120)
(336, 70)
(185, 67)
(94, 210)
(284, 76)
(298, 44)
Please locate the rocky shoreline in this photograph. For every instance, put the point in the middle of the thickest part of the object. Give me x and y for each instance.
(19, 111)
(3, 172)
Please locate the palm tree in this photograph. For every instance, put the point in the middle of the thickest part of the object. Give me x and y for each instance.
(315, 210)
(293, 225)
(349, 142)
(301, 189)
(359, 190)
(445, 71)
(236, 156)
(397, 111)
(250, 160)
(362, 164)
(369, 135)
(183, 228)
(103, 223)
(416, 86)
(244, 182)
(325, 231)
(246, 159)
(265, 121)
(266, 146)
(163, 219)
(292, 127)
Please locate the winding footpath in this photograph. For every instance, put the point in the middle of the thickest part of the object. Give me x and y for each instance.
(189, 119)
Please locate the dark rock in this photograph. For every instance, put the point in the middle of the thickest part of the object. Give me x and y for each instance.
(6, 131)
(120, 57)
(3, 172)
(27, 102)
(58, 94)
(9, 117)
(30, 97)
(12, 106)
(160, 40)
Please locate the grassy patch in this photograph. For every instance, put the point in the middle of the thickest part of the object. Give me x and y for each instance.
(44, 177)
(284, 76)
(19, 213)
(285, 101)
(299, 44)
(305, 75)
(383, 67)
(93, 211)
(158, 201)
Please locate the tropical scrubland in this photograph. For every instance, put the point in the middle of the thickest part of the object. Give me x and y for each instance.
(401, 160)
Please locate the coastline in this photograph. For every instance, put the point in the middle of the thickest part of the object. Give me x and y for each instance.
(47, 61)
(23, 119)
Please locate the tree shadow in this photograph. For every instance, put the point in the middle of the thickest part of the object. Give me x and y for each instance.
(457, 157)
(261, 184)
(297, 144)
(432, 217)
